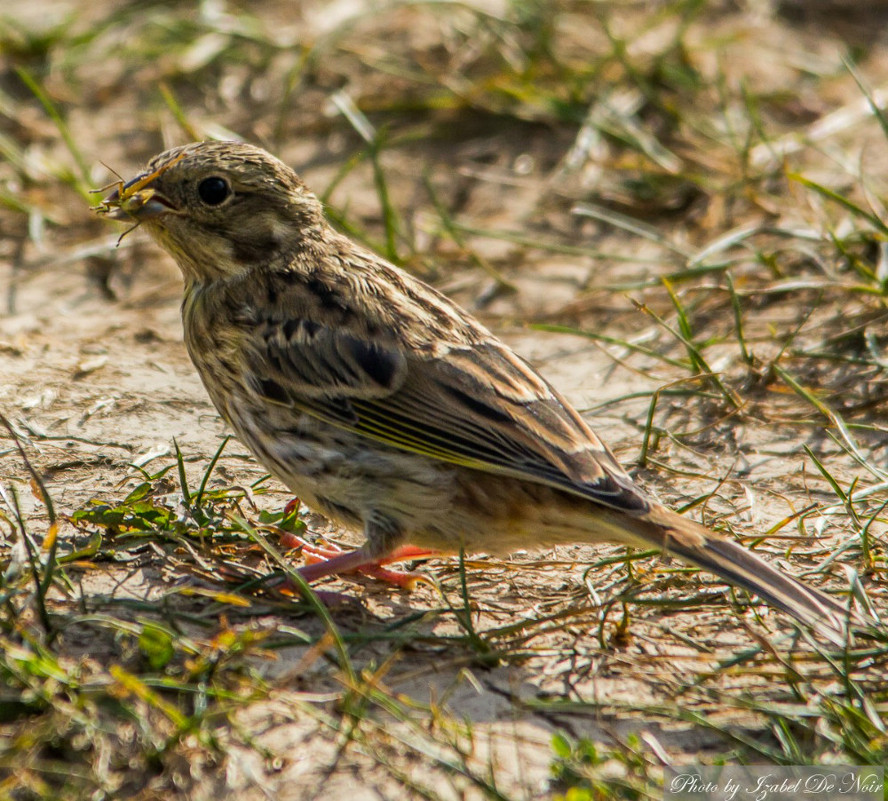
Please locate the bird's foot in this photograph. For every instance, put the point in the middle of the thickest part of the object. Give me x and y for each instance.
(331, 561)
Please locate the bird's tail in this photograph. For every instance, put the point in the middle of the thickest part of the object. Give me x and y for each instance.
(674, 534)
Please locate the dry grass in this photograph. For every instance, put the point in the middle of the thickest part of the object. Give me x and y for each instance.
(673, 209)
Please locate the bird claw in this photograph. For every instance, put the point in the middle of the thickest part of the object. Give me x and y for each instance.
(332, 560)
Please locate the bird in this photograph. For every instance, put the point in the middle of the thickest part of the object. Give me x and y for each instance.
(385, 406)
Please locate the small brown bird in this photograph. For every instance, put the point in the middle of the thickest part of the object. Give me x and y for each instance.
(381, 403)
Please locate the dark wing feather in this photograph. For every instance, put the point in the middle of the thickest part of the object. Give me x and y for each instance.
(479, 406)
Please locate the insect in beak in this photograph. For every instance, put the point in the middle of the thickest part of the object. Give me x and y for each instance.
(136, 199)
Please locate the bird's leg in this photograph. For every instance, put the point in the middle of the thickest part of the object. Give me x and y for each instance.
(331, 561)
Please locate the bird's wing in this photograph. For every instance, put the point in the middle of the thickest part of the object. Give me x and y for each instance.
(478, 406)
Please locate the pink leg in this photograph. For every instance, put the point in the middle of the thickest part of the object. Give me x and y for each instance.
(330, 561)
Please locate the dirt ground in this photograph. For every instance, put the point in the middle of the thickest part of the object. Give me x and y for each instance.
(655, 663)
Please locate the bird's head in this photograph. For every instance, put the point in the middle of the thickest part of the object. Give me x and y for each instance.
(219, 208)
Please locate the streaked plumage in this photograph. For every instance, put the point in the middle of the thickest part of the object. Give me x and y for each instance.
(381, 403)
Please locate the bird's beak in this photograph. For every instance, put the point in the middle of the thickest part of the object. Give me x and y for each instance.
(137, 199)
(134, 202)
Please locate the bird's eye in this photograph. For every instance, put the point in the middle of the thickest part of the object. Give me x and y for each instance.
(213, 190)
